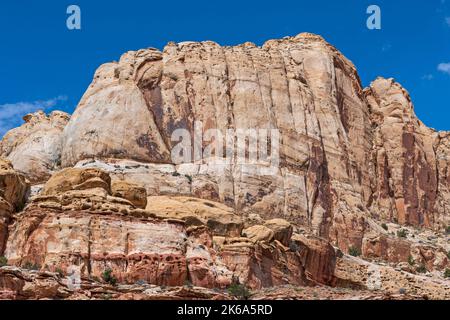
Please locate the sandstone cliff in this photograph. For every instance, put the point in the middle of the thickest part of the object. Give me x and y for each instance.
(360, 198)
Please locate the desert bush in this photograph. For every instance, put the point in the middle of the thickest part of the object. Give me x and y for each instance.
(421, 269)
(108, 277)
(31, 266)
(402, 233)
(353, 251)
(447, 273)
(3, 261)
(239, 291)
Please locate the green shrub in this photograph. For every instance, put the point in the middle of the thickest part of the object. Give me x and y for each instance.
(3, 261)
(189, 178)
(421, 269)
(385, 227)
(108, 277)
(59, 272)
(31, 266)
(353, 251)
(448, 254)
(411, 260)
(447, 273)
(447, 230)
(402, 233)
(239, 291)
(175, 174)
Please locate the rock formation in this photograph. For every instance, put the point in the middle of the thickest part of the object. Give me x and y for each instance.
(13, 190)
(35, 148)
(360, 198)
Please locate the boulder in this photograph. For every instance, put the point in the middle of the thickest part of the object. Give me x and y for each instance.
(282, 230)
(219, 218)
(258, 233)
(135, 194)
(77, 179)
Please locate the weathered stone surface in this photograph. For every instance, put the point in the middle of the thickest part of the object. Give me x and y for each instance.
(262, 265)
(20, 284)
(113, 118)
(359, 175)
(258, 233)
(318, 257)
(35, 148)
(13, 191)
(359, 274)
(335, 170)
(77, 179)
(282, 230)
(288, 81)
(13, 185)
(135, 194)
(219, 218)
(69, 227)
(407, 187)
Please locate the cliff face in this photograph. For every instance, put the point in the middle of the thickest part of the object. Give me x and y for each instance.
(358, 174)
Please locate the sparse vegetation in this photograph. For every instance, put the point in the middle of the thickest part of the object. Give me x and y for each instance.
(353, 251)
(175, 174)
(3, 261)
(189, 178)
(411, 260)
(448, 254)
(108, 277)
(239, 291)
(421, 269)
(447, 230)
(31, 266)
(59, 272)
(385, 227)
(447, 273)
(402, 233)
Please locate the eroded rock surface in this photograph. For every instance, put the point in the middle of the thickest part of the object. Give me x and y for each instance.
(360, 198)
(13, 191)
(77, 225)
(35, 147)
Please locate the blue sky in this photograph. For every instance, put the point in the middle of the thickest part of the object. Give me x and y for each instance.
(45, 65)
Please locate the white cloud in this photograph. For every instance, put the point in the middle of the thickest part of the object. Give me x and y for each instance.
(11, 113)
(447, 21)
(428, 77)
(444, 67)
